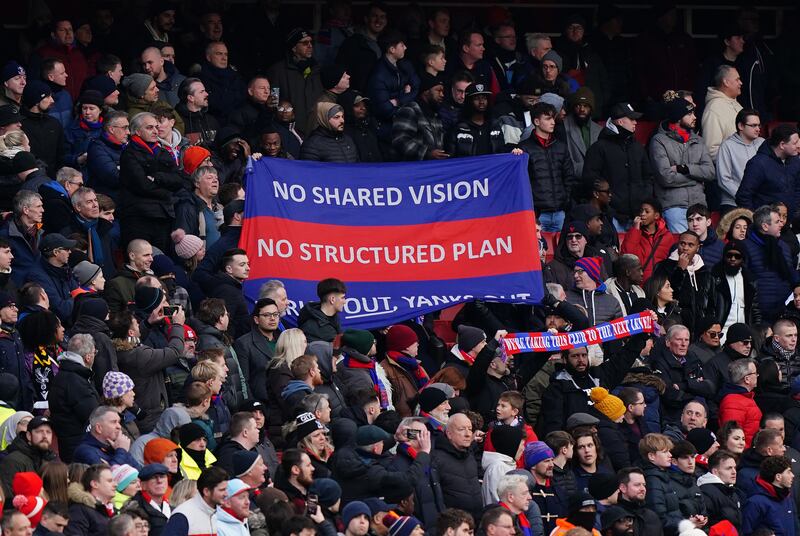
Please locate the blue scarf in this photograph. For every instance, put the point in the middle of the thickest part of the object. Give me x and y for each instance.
(57, 186)
(94, 239)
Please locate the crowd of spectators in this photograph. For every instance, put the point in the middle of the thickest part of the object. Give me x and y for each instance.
(143, 392)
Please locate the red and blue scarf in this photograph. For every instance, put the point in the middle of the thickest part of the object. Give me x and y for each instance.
(433, 421)
(522, 519)
(411, 365)
(90, 125)
(380, 389)
(152, 148)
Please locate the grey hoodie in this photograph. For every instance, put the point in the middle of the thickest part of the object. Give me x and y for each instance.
(732, 158)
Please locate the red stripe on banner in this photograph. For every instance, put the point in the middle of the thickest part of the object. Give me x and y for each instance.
(478, 247)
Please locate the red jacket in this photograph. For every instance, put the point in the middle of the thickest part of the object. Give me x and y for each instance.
(640, 243)
(738, 405)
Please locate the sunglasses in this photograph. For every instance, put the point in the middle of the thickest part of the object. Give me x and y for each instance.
(733, 256)
(714, 334)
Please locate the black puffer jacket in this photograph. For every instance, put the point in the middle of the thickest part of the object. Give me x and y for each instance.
(141, 197)
(551, 173)
(469, 139)
(458, 474)
(695, 295)
(722, 501)
(200, 125)
(688, 377)
(317, 325)
(254, 353)
(662, 498)
(234, 390)
(324, 145)
(689, 495)
(72, 399)
(362, 474)
(106, 357)
(618, 158)
(428, 498)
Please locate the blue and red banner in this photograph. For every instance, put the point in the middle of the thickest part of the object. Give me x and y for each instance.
(406, 238)
(515, 343)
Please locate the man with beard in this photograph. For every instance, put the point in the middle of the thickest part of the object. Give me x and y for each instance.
(270, 144)
(681, 163)
(615, 521)
(257, 347)
(328, 142)
(195, 515)
(551, 499)
(417, 131)
(581, 131)
(200, 125)
(617, 157)
(632, 494)
(296, 477)
(735, 289)
(166, 75)
(570, 384)
(476, 134)
(45, 133)
(31, 450)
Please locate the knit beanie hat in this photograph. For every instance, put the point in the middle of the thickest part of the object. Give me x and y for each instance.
(469, 337)
(593, 267)
(353, 509)
(554, 100)
(399, 337)
(330, 74)
(243, 461)
(400, 525)
(85, 272)
(307, 424)
(186, 245)
(148, 298)
(430, 398)
(193, 157)
(677, 108)
(96, 307)
(359, 340)
(535, 452)
(702, 439)
(116, 384)
(603, 485)
(137, 83)
(584, 95)
(23, 161)
(369, 434)
(294, 37)
(90, 96)
(506, 439)
(35, 92)
(10, 70)
(190, 334)
(555, 57)
(103, 84)
(27, 483)
(30, 505)
(738, 332)
(328, 491)
(162, 265)
(123, 475)
(190, 432)
(157, 449)
(609, 405)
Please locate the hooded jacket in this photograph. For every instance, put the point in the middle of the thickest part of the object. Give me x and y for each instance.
(600, 306)
(77, 137)
(87, 517)
(327, 145)
(617, 157)
(689, 494)
(495, 466)
(771, 508)
(768, 179)
(719, 119)
(317, 325)
(200, 124)
(72, 399)
(58, 284)
(470, 139)
(722, 501)
(732, 159)
(363, 131)
(673, 188)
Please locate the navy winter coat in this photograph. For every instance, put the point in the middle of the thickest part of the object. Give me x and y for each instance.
(102, 166)
(226, 89)
(24, 255)
(388, 82)
(58, 284)
(767, 179)
(772, 288)
(767, 508)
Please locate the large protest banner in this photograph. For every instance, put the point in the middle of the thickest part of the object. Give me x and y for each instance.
(406, 238)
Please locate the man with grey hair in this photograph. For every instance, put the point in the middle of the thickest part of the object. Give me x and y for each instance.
(86, 221)
(105, 442)
(198, 213)
(121, 525)
(104, 152)
(682, 374)
(318, 405)
(23, 233)
(56, 196)
(148, 178)
(737, 403)
(413, 437)
(120, 291)
(719, 114)
(276, 291)
(514, 493)
(73, 397)
(538, 45)
(768, 258)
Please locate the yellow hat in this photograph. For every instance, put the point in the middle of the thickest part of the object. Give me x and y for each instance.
(609, 405)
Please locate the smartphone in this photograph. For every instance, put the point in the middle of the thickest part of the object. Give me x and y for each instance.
(169, 310)
(275, 92)
(311, 504)
(412, 433)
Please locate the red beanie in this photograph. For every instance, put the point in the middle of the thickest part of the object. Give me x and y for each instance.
(192, 158)
(399, 337)
(31, 506)
(27, 483)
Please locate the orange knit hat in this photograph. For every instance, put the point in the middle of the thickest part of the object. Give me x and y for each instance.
(157, 449)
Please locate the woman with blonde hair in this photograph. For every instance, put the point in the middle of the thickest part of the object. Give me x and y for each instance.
(291, 344)
(182, 492)
(14, 142)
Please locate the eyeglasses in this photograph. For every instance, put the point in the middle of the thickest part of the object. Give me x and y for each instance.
(269, 315)
(76, 183)
(714, 334)
(733, 256)
(751, 374)
(285, 108)
(753, 125)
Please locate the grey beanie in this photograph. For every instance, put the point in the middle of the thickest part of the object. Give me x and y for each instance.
(137, 84)
(335, 109)
(555, 58)
(557, 101)
(85, 272)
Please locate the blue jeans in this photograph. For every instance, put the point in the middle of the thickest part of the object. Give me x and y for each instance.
(676, 219)
(551, 222)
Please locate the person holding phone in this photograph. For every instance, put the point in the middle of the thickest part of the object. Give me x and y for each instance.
(413, 437)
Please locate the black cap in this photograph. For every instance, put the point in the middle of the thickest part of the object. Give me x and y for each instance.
(36, 422)
(54, 241)
(428, 81)
(624, 109)
(9, 114)
(477, 89)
